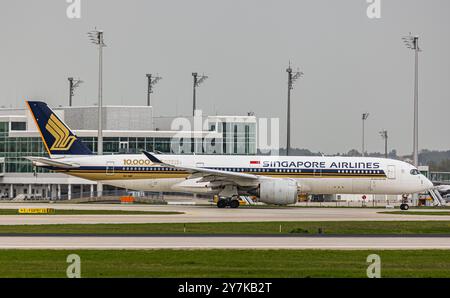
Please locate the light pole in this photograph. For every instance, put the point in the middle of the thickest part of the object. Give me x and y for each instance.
(412, 42)
(96, 37)
(364, 118)
(197, 81)
(292, 77)
(73, 84)
(384, 135)
(151, 81)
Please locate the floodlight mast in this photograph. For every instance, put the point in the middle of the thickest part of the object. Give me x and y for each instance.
(363, 148)
(73, 84)
(384, 135)
(151, 81)
(292, 77)
(412, 42)
(96, 37)
(197, 80)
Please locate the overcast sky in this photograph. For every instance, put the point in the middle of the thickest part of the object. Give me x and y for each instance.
(352, 64)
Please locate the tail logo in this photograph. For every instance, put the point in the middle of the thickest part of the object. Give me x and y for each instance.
(63, 139)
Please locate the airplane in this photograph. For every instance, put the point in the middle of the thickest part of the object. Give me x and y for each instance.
(275, 180)
(443, 189)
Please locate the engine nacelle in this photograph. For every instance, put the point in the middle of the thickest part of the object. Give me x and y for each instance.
(278, 191)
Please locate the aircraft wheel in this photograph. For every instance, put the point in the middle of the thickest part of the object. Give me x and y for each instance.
(234, 204)
(404, 207)
(222, 203)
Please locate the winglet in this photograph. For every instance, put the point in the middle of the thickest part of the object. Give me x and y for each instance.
(151, 157)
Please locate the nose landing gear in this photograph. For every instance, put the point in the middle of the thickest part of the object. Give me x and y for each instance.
(404, 205)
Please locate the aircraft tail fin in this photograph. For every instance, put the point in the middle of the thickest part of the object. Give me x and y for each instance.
(56, 135)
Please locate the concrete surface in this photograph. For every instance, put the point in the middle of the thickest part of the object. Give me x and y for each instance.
(232, 242)
(204, 214)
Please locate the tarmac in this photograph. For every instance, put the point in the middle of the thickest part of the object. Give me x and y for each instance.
(204, 214)
(228, 242)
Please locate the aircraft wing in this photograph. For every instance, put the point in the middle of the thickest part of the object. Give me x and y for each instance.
(209, 175)
(51, 162)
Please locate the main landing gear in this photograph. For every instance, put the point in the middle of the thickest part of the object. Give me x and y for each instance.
(232, 202)
(404, 205)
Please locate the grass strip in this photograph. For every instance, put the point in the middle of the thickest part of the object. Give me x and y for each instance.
(225, 263)
(235, 228)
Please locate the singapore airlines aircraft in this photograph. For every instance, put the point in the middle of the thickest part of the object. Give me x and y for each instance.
(274, 179)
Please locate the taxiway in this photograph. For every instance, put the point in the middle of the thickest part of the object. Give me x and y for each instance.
(204, 214)
(229, 242)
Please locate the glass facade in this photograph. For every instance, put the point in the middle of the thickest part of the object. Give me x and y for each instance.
(18, 126)
(13, 149)
(238, 137)
(129, 145)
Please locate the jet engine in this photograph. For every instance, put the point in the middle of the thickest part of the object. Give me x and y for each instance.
(278, 191)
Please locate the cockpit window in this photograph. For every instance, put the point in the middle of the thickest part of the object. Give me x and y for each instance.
(415, 172)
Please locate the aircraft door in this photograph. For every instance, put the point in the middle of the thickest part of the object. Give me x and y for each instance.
(110, 168)
(390, 172)
(123, 147)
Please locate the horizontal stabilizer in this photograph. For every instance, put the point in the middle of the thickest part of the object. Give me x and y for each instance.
(39, 161)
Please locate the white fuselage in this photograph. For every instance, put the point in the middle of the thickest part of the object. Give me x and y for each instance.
(314, 174)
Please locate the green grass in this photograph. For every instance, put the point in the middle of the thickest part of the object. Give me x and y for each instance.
(91, 212)
(417, 212)
(259, 228)
(224, 263)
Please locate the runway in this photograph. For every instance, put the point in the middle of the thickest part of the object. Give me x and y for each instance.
(203, 214)
(229, 242)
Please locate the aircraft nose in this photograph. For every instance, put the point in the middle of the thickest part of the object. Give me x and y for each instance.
(428, 183)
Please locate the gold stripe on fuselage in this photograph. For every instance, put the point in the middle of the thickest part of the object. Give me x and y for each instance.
(124, 176)
(128, 175)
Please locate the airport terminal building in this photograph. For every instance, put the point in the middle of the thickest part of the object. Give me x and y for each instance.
(126, 129)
